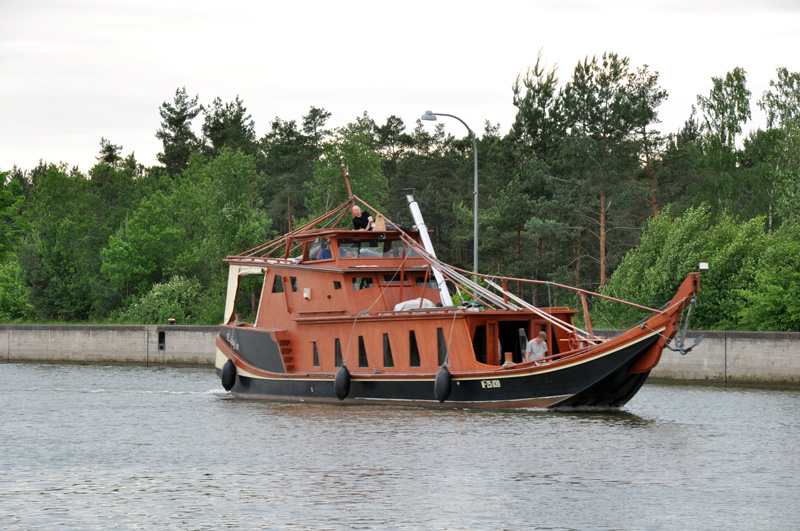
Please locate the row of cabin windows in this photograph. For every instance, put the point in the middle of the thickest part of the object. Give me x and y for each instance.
(414, 359)
(359, 283)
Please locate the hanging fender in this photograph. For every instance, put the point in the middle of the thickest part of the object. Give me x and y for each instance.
(443, 384)
(341, 383)
(228, 375)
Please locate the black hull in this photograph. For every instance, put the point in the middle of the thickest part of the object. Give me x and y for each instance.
(600, 382)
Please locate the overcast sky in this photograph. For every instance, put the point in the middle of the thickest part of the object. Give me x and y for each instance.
(72, 72)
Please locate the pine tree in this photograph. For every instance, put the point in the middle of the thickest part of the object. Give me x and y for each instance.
(176, 133)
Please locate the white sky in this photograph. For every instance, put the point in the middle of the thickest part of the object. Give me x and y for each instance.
(72, 72)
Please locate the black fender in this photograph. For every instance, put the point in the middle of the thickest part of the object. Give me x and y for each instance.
(443, 384)
(228, 376)
(341, 383)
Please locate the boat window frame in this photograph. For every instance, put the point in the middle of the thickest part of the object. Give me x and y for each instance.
(414, 355)
(388, 359)
(277, 284)
(363, 359)
(360, 281)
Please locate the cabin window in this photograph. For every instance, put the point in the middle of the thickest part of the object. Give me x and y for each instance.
(362, 283)
(338, 349)
(414, 360)
(394, 249)
(316, 354)
(394, 278)
(362, 353)
(352, 248)
(337, 284)
(388, 361)
(419, 281)
(442, 344)
(277, 284)
(293, 280)
(348, 248)
(320, 250)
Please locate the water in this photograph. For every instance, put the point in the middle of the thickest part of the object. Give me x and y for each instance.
(93, 447)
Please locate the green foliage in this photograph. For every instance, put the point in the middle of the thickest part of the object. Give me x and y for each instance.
(60, 257)
(782, 101)
(109, 153)
(670, 249)
(176, 134)
(14, 306)
(290, 160)
(353, 146)
(772, 301)
(726, 109)
(176, 299)
(563, 196)
(12, 225)
(189, 229)
(149, 245)
(228, 124)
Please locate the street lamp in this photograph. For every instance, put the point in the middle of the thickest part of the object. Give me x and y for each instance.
(431, 116)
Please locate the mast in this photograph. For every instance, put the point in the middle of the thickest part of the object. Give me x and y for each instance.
(346, 172)
(426, 242)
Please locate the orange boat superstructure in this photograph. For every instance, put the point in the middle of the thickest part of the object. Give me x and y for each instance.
(373, 317)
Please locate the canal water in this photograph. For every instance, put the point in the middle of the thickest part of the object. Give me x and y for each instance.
(96, 447)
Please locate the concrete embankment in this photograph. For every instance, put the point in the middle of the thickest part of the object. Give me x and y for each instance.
(732, 357)
(146, 345)
(736, 357)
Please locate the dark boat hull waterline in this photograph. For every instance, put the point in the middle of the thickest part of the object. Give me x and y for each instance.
(603, 381)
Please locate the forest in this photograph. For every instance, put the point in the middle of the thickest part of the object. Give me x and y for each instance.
(584, 189)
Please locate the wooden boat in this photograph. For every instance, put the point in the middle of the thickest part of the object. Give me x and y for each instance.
(373, 317)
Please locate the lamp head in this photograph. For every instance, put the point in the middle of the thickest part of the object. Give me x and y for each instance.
(429, 116)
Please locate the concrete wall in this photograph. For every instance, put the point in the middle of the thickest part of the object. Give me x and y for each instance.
(745, 357)
(181, 345)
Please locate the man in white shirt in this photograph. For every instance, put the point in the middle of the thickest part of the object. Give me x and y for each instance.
(537, 347)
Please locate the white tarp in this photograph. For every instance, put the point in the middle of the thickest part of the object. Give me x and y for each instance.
(413, 305)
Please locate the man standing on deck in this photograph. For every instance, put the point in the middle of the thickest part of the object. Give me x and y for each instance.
(537, 347)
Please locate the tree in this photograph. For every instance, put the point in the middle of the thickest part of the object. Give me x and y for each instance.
(109, 153)
(393, 142)
(647, 96)
(314, 126)
(539, 125)
(291, 157)
(14, 304)
(782, 101)
(672, 247)
(178, 299)
(149, 246)
(782, 105)
(176, 135)
(12, 227)
(772, 300)
(59, 259)
(353, 146)
(228, 124)
(601, 158)
(725, 110)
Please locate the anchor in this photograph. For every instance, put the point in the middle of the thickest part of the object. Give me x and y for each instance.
(680, 338)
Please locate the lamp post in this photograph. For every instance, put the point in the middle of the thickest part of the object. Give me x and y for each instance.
(431, 116)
